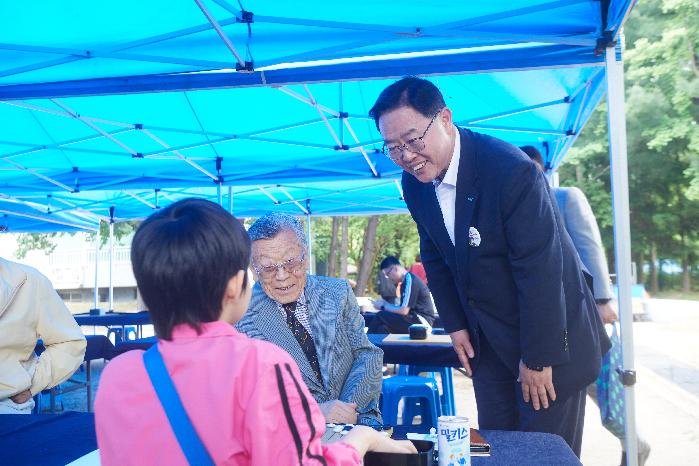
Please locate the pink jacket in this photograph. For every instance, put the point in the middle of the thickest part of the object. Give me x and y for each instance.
(245, 398)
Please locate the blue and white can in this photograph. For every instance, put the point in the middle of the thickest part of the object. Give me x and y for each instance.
(454, 441)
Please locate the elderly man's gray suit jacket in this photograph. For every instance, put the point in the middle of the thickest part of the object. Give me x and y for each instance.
(349, 363)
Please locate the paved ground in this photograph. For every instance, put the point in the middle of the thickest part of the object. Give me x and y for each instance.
(667, 393)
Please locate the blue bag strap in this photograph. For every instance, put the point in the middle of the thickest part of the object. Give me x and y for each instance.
(192, 446)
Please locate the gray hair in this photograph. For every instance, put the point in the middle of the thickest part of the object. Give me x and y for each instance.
(271, 224)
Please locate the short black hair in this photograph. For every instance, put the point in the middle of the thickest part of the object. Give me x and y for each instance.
(420, 94)
(534, 154)
(389, 261)
(183, 257)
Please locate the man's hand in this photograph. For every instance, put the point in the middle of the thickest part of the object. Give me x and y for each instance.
(536, 385)
(607, 313)
(462, 345)
(21, 397)
(339, 412)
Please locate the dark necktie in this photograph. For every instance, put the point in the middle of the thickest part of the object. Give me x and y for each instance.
(304, 339)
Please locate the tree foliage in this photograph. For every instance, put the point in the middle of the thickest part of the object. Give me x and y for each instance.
(662, 110)
(395, 235)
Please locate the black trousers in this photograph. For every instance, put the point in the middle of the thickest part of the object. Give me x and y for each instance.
(502, 407)
(389, 322)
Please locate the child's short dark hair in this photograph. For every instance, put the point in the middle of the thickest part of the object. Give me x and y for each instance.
(183, 257)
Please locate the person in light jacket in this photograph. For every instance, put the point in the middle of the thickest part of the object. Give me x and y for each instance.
(30, 309)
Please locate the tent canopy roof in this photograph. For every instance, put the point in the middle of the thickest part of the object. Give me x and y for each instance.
(280, 127)
(132, 46)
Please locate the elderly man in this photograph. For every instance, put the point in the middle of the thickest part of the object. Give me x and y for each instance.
(316, 320)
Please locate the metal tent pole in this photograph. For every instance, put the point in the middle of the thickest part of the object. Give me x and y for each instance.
(97, 262)
(111, 258)
(309, 238)
(622, 237)
(111, 266)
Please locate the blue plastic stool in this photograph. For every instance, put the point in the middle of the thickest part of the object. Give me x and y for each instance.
(122, 334)
(447, 397)
(129, 332)
(118, 334)
(401, 386)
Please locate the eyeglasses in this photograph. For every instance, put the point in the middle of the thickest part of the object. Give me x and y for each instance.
(291, 266)
(413, 145)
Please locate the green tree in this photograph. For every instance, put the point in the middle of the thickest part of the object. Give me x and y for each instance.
(35, 242)
(662, 101)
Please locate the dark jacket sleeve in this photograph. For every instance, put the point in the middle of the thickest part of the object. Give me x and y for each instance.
(536, 259)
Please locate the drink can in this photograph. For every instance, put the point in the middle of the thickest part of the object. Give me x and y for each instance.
(454, 441)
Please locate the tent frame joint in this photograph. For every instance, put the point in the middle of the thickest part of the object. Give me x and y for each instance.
(247, 67)
(604, 42)
(247, 17)
(628, 377)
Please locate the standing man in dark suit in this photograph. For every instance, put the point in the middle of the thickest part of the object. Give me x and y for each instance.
(508, 285)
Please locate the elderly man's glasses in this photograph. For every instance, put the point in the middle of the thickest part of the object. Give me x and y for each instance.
(268, 272)
(413, 145)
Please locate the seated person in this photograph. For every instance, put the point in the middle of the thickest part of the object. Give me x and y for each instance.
(207, 394)
(415, 305)
(316, 320)
(31, 309)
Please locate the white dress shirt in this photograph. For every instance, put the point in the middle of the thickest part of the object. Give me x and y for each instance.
(446, 189)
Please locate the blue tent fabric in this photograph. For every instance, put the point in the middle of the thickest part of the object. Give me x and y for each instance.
(50, 42)
(135, 105)
(30, 216)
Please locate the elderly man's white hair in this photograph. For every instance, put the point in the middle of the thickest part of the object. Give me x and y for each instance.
(271, 224)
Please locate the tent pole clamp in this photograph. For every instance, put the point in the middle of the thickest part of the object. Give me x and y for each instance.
(628, 377)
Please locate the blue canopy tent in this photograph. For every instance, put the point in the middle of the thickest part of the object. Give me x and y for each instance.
(262, 137)
(82, 48)
(528, 72)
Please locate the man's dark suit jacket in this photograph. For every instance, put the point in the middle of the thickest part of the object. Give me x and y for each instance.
(523, 286)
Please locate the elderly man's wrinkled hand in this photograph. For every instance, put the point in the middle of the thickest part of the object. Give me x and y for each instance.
(339, 412)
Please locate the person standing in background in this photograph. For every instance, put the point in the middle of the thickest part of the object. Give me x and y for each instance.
(581, 225)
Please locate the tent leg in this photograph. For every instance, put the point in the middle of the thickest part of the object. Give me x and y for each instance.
(111, 266)
(622, 234)
(309, 239)
(97, 262)
(230, 200)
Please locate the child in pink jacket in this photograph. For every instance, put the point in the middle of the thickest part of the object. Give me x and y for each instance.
(207, 394)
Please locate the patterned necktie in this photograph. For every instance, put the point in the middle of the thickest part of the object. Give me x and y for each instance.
(304, 339)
